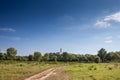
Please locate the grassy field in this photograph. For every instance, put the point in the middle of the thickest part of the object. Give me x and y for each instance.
(105, 71)
(11, 70)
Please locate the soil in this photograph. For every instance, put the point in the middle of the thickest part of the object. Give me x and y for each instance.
(50, 74)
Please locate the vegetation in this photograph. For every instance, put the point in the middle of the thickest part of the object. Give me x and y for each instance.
(37, 56)
(15, 70)
(11, 53)
(102, 66)
(102, 53)
(46, 57)
(102, 56)
(101, 71)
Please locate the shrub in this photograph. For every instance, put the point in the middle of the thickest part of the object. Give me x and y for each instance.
(97, 59)
(93, 67)
(109, 68)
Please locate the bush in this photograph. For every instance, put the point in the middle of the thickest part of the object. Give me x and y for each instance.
(93, 67)
(97, 59)
(109, 68)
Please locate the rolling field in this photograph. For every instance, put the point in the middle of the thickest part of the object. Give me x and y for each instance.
(103, 71)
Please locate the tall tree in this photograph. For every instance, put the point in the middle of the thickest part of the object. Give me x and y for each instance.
(65, 56)
(37, 56)
(11, 53)
(30, 57)
(46, 57)
(102, 53)
(51, 56)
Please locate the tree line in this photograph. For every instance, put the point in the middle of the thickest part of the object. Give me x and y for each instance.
(102, 56)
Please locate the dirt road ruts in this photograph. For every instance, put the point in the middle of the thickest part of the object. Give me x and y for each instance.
(50, 74)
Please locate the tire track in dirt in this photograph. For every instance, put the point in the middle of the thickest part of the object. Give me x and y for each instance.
(49, 74)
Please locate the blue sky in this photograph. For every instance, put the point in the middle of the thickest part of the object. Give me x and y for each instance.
(76, 26)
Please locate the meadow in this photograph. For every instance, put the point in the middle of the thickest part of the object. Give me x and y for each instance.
(92, 71)
(13, 70)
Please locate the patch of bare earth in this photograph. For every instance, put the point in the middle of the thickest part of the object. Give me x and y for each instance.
(50, 74)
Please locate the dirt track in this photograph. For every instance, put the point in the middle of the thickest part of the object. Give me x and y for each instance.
(50, 74)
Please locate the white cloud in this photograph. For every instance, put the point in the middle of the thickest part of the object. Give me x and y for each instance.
(114, 17)
(7, 29)
(108, 41)
(105, 22)
(102, 24)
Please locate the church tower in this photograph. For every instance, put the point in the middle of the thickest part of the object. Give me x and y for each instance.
(60, 51)
(0, 51)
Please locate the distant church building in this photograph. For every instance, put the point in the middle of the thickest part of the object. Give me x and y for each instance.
(60, 52)
(0, 51)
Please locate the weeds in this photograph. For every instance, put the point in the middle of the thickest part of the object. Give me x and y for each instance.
(20, 70)
(102, 71)
(93, 67)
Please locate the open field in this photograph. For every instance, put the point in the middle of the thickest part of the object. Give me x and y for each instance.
(21, 70)
(103, 71)
(71, 71)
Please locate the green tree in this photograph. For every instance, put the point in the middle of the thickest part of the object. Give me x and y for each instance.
(30, 57)
(72, 57)
(102, 54)
(91, 58)
(2, 56)
(37, 56)
(21, 58)
(46, 57)
(11, 53)
(116, 57)
(110, 56)
(55, 58)
(60, 57)
(65, 56)
(51, 56)
(97, 59)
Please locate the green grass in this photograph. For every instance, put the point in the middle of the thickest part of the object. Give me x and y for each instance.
(105, 71)
(11, 70)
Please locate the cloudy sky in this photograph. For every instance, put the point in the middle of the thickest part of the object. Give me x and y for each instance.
(76, 26)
